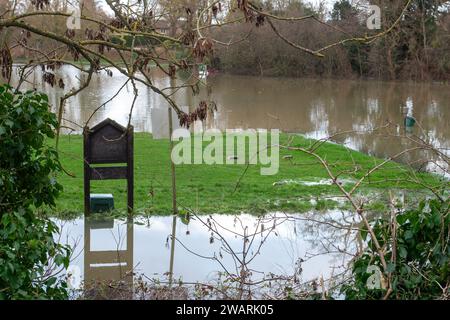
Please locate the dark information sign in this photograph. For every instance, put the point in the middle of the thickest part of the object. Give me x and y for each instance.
(108, 143)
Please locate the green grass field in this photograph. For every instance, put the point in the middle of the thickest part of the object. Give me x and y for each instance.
(210, 188)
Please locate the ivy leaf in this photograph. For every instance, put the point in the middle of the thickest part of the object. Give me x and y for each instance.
(402, 252)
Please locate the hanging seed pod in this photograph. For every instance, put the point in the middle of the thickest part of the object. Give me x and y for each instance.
(215, 9)
(184, 120)
(49, 78)
(40, 4)
(89, 33)
(183, 64)
(6, 62)
(188, 37)
(74, 53)
(172, 71)
(260, 19)
(243, 5)
(61, 84)
(200, 113)
(70, 33)
(203, 47)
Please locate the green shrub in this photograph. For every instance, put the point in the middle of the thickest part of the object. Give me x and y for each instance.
(421, 268)
(27, 182)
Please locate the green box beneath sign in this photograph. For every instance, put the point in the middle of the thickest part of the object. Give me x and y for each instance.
(101, 202)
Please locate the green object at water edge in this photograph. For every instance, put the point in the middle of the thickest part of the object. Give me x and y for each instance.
(101, 202)
(185, 218)
(410, 122)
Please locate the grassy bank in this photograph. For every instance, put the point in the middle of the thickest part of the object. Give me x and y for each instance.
(210, 188)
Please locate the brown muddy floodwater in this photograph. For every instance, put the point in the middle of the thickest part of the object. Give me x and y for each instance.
(315, 108)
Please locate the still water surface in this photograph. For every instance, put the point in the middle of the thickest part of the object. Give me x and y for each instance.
(109, 249)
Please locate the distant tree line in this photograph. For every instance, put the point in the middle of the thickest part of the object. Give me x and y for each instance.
(417, 48)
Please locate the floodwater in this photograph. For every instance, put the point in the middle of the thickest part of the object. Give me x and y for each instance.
(315, 108)
(109, 249)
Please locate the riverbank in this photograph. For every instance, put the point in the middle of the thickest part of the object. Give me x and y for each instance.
(301, 183)
(355, 78)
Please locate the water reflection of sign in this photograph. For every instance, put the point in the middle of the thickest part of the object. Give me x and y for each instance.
(108, 142)
(114, 264)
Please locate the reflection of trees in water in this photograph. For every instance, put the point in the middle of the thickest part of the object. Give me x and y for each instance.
(332, 236)
(333, 231)
(325, 107)
(110, 273)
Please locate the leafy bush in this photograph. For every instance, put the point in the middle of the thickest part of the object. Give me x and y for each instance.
(27, 182)
(418, 266)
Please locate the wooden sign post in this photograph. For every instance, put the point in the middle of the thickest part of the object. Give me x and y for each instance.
(108, 142)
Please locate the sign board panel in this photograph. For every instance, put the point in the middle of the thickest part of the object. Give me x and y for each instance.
(108, 142)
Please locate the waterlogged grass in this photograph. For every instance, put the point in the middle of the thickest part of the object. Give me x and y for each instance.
(301, 183)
